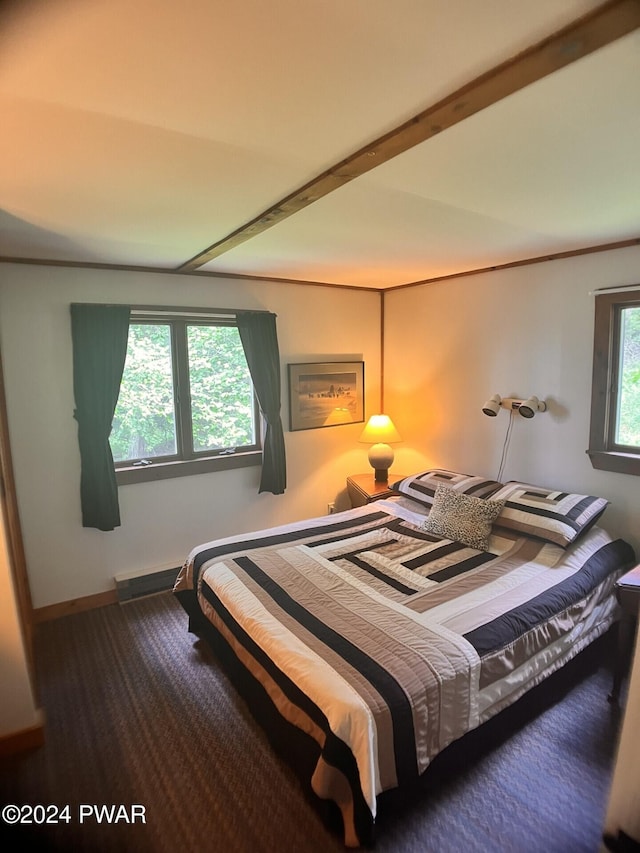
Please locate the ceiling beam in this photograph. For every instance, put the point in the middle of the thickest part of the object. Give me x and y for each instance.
(600, 27)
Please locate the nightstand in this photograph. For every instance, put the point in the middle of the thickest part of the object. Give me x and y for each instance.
(363, 489)
(628, 594)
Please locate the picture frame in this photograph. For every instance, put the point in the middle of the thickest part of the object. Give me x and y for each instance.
(324, 394)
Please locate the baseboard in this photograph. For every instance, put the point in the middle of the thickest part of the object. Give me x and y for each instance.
(140, 584)
(75, 605)
(24, 740)
(129, 586)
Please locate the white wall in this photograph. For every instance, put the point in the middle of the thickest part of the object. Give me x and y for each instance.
(529, 330)
(162, 521)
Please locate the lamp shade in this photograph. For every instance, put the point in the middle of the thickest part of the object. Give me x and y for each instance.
(379, 428)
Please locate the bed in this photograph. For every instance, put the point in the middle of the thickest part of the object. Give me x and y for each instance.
(384, 633)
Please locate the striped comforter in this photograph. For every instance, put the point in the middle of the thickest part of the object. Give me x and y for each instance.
(385, 643)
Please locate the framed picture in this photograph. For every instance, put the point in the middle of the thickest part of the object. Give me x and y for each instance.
(326, 394)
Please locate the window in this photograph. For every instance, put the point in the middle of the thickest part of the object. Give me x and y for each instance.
(186, 402)
(614, 442)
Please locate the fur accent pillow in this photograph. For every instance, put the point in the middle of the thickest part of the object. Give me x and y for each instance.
(462, 518)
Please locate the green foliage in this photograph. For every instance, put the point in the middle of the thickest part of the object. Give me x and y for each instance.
(628, 427)
(144, 420)
(220, 389)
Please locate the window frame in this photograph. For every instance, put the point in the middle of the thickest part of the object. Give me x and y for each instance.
(605, 454)
(187, 461)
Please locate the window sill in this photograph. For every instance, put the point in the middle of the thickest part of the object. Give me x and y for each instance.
(621, 463)
(167, 470)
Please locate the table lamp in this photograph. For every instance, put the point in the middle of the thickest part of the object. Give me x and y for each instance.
(379, 432)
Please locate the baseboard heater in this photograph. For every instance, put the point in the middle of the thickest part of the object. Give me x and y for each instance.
(131, 585)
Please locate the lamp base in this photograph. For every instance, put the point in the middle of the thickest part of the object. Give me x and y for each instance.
(381, 459)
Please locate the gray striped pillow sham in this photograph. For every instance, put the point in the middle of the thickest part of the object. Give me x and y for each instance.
(422, 487)
(551, 514)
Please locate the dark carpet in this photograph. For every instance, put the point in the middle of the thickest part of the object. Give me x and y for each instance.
(138, 712)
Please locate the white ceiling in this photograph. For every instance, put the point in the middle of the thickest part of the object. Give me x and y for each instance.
(140, 132)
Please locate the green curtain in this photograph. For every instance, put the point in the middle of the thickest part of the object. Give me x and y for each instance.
(99, 334)
(260, 341)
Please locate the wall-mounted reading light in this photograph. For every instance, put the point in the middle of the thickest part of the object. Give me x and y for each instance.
(527, 408)
(492, 406)
(530, 406)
